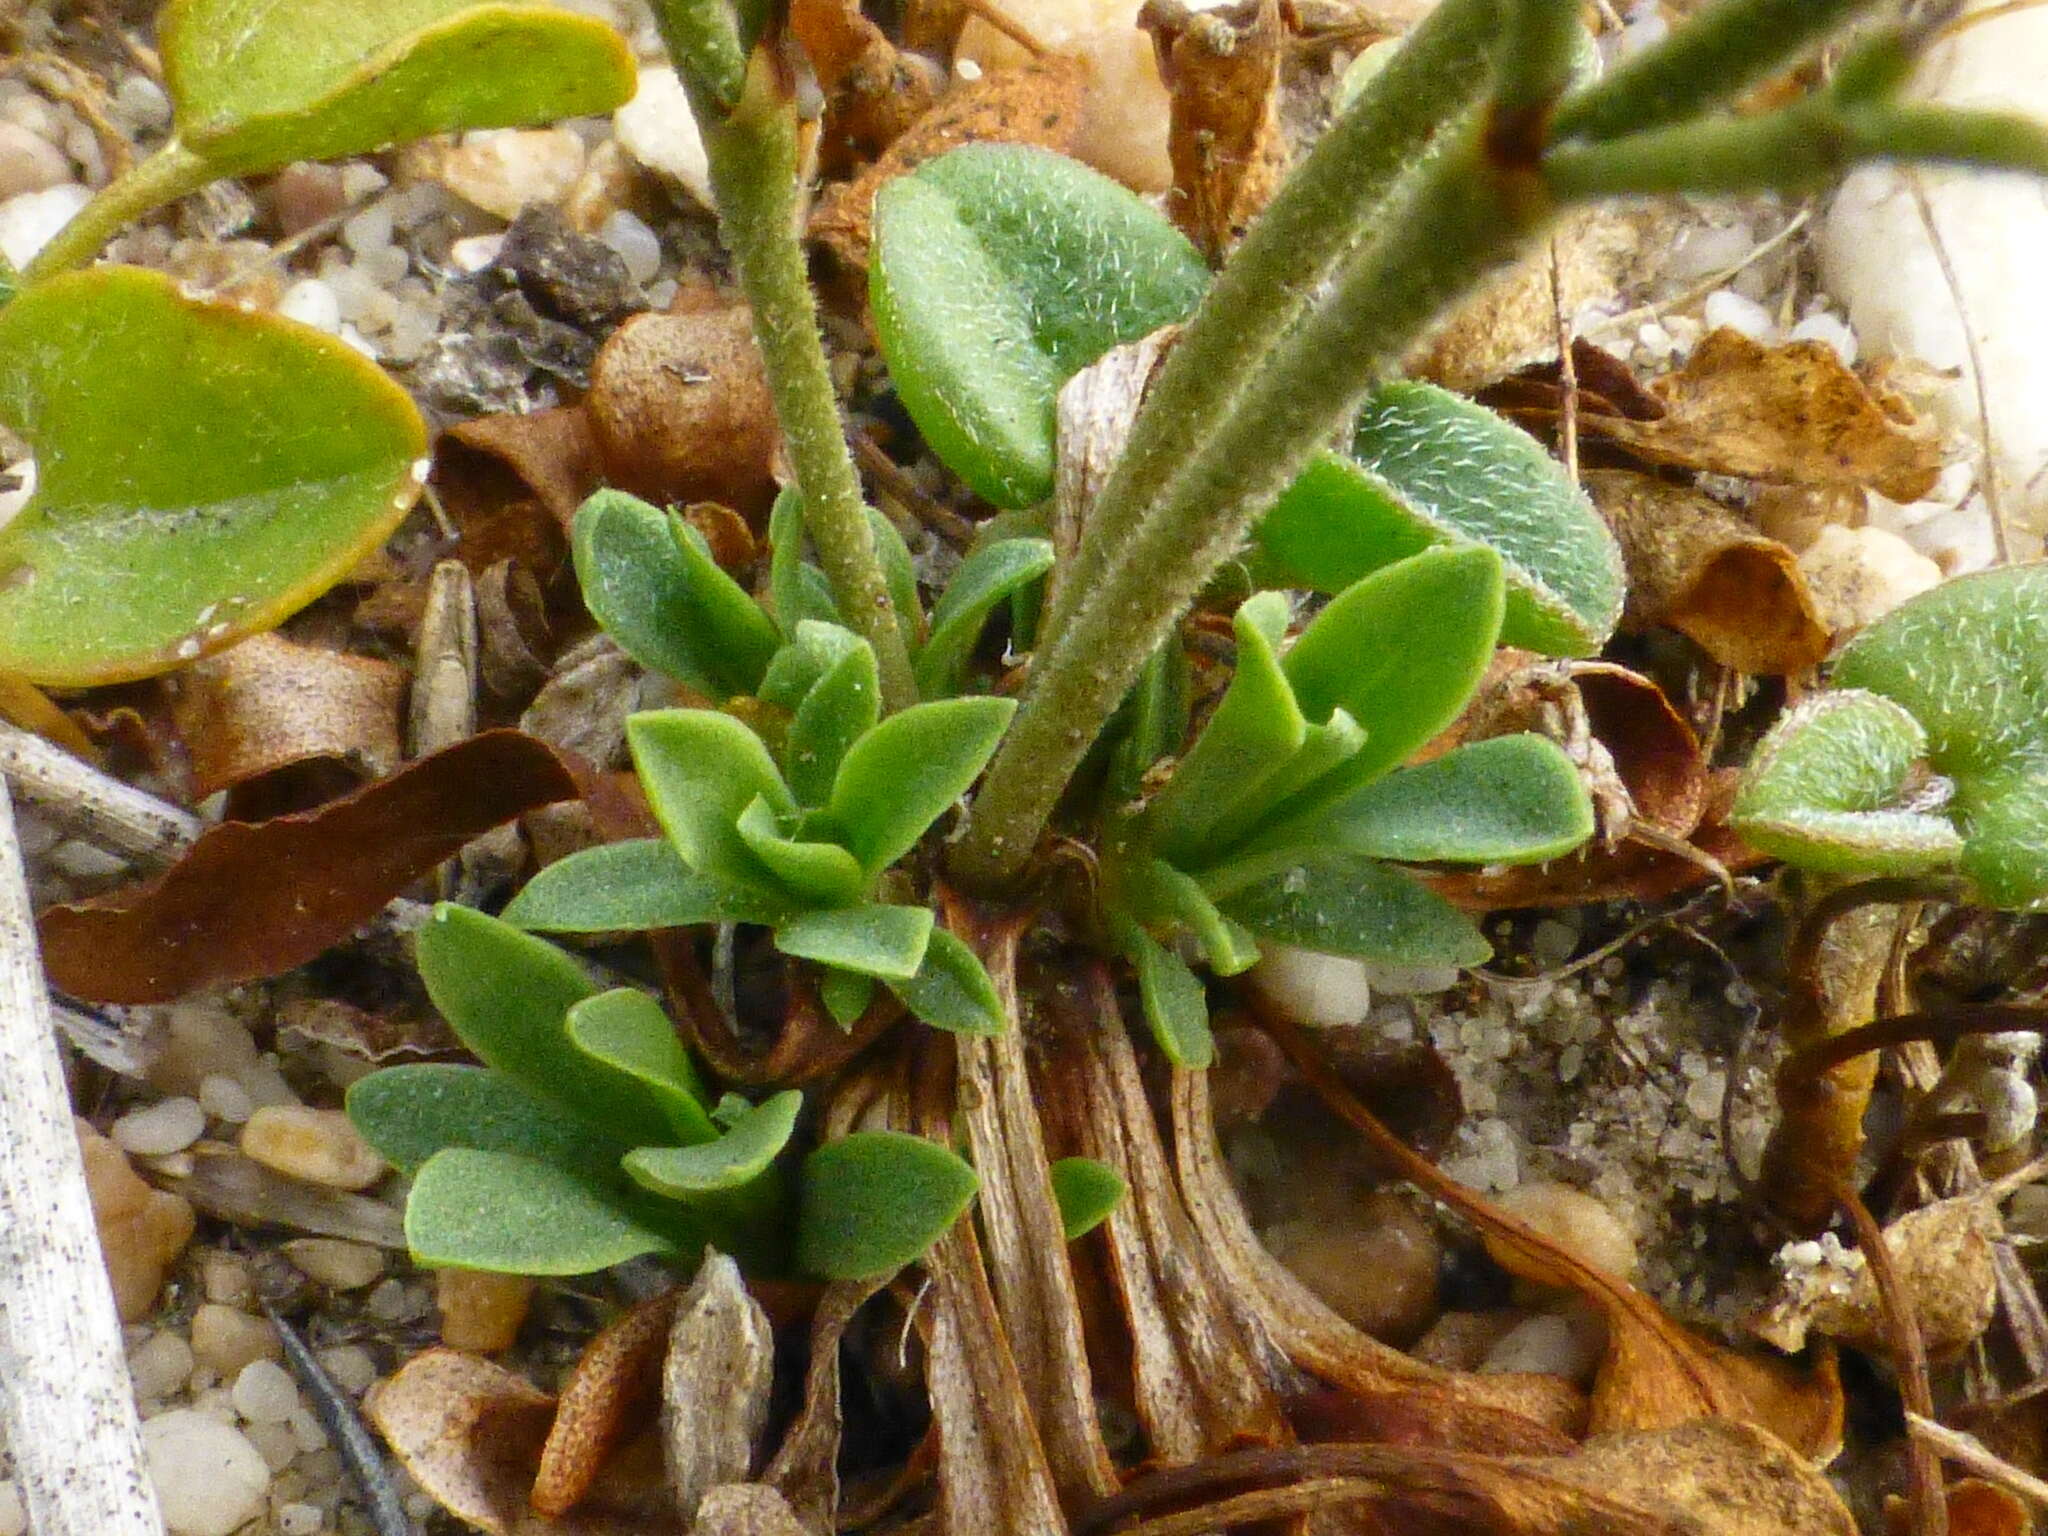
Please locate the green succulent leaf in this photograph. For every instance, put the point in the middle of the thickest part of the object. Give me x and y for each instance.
(168, 523)
(798, 589)
(985, 580)
(507, 995)
(1823, 789)
(1168, 895)
(846, 994)
(260, 84)
(844, 704)
(952, 990)
(632, 1034)
(899, 575)
(819, 874)
(1345, 904)
(1965, 660)
(1508, 800)
(1175, 1002)
(815, 647)
(908, 771)
(887, 943)
(411, 1112)
(701, 770)
(648, 578)
(641, 883)
(1000, 272)
(1428, 467)
(1153, 722)
(517, 1215)
(732, 1160)
(1086, 1192)
(874, 1201)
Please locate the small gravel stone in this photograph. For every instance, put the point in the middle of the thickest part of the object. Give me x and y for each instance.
(265, 1393)
(503, 171)
(317, 1145)
(1576, 1221)
(1830, 328)
(141, 1229)
(472, 253)
(275, 1443)
(1726, 307)
(224, 1340)
(1549, 1344)
(161, 1364)
(300, 1520)
(310, 302)
(142, 105)
(1325, 991)
(369, 230)
(388, 1302)
(636, 244)
(225, 1278)
(29, 221)
(481, 1312)
(307, 1431)
(658, 129)
(168, 1126)
(306, 193)
(220, 1095)
(342, 1266)
(29, 162)
(351, 1367)
(209, 1478)
(13, 1513)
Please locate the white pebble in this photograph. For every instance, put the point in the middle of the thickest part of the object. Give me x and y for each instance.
(160, 1365)
(472, 253)
(311, 302)
(168, 1126)
(30, 111)
(209, 1478)
(658, 129)
(351, 1367)
(1830, 328)
(300, 1520)
(384, 266)
(13, 1513)
(307, 1431)
(30, 221)
(1959, 540)
(635, 243)
(1546, 1345)
(1707, 249)
(1726, 307)
(220, 1095)
(1323, 991)
(22, 474)
(142, 104)
(265, 1393)
(359, 179)
(275, 1444)
(413, 326)
(29, 162)
(369, 230)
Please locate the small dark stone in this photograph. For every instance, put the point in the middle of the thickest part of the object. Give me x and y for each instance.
(566, 276)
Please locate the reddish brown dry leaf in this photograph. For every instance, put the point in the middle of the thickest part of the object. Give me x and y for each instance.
(1978, 1508)
(397, 1033)
(268, 704)
(512, 631)
(680, 409)
(617, 1377)
(1656, 1373)
(553, 452)
(1036, 103)
(805, 1471)
(1788, 413)
(255, 899)
(873, 90)
(1221, 67)
(470, 1433)
(1700, 569)
(1722, 1478)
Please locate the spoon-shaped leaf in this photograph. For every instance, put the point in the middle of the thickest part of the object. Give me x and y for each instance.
(258, 83)
(741, 1155)
(201, 473)
(629, 1032)
(902, 776)
(702, 769)
(1342, 904)
(1428, 467)
(818, 874)
(999, 273)
(952, 989)
(642, 883)
(874, 1201)
(411, 1112)
(473, 1209)
(887, 943)
(837, 710)
(1176, 1005)
(985, 578)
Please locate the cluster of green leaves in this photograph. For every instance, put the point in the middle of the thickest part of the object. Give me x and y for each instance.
(1928, 754)
(587, 1137)
(202, 470)
(1001, 271)
(795, 817)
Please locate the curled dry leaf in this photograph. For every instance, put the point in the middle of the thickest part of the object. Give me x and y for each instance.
(1792, 413)
(1720, 1477)
(512, 630)
(470, 1433)
(1978, 1508)
(268, 703)
(610, 1393)
(1700, 569)
(873, 90)
(1944, 1257)
(1037, 103)
(805, 1471)
(680, 409)
(715, 1382)
(553, 452)
(254, 899)
(1221, 67)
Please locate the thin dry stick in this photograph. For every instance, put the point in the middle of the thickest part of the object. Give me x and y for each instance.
(1711, 281)
(1968, 1452)
(1567, 371)
(101, 808)
(1925, 1500)
(1994, 502)
(67, 1409)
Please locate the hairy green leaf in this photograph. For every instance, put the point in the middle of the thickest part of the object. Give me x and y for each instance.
(1344, 904)
(1153, 722)
(702, 769)
(846, 994)
(1175, 1003)
(507, 995)
(843, 705)
(168, 523)
(899, 575)
(819, 874)
(798, 589)
(1429, 467)
(641, 883)
(648, 578)
(1086, 1192)
(887, 943)
(475, 1209)
(985, 579)
(630, 1033)
(736, 1158)
(874, 1201)
(952, 990)
(411, 1112)
(258, 83)
(908, 771)
(999, 272)
(815, 647)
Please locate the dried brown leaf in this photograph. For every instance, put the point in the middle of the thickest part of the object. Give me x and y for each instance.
(1978, 1508)
(1221, 67)
(715, 1381)
(442, 708)
(805, 1471)
(1701, 570)
(255, 899)
(610, 1392)
(268, 704)
(1713, 1477)
(873, 90)
(554, 453)
(748, 1509)
(1037, 103)
(680, 409)
(512, 631)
